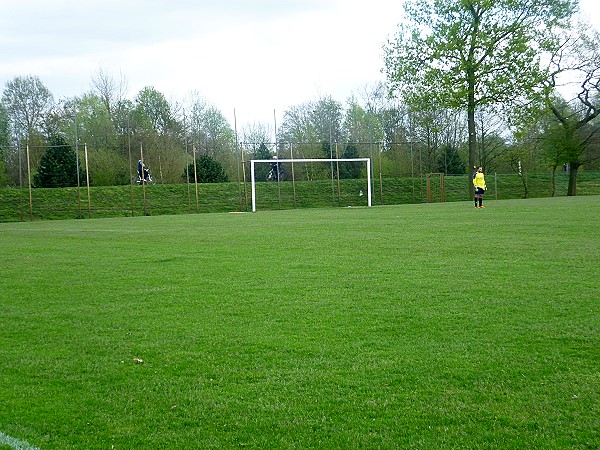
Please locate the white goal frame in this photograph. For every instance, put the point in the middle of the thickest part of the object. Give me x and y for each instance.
(302, 160)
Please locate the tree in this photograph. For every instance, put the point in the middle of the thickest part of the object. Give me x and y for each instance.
(208, 129)
(317, 121)
(449, 161)
(110, 91)
(579, 58)
(491, 146)
(4, 144)
(208, 170)
(350, 169)
(58, 166)
(154, 110)
(471, 53)
(4, 127)
(261, 171)
(357, 123)
(28, 102)
(156, 128)
(314, 127)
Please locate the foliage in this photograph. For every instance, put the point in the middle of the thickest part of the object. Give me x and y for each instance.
(472, 53)
(450, 162)
(578, 143)
(261, 171)
(350, 170)
(108, 168)
(27, 100)
(315, 121)
(208, 170)
(4, 127)
(58, 166)
(4, 143)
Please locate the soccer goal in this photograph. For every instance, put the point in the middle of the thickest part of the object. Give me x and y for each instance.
(280, 174)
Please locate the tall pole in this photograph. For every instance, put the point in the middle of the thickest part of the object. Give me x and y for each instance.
(369, 118)
(240, 162)
(293, 174)
(77, 167)
(380, 174)
(337, 164)
(130, 166)
(196, 179)
(87, 180)
(277, 156)
(143, 178)
(331, 157)
(29, 182)
(20, 176)
(187, 164)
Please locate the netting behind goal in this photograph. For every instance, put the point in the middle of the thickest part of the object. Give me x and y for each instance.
(300, 183)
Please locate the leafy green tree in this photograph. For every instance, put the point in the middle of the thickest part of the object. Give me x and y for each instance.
(58, 166)
(154, 110)
(4, 144)
(357, 123)
(311, 122)
(471, 53)
(350, 169)
(450, 162)
(4, 127)
(261, 171)
(208, 170)
(209, 130)
(28, 102)
(94, 124)
(159, 131)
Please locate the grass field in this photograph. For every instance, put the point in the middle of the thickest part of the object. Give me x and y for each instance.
(419, 326)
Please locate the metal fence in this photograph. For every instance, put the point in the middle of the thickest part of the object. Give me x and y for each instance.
(27, 204)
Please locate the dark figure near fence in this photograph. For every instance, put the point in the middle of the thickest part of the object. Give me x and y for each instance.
(276, 173)
(143, 171)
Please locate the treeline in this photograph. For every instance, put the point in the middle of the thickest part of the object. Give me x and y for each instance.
(496, 102)
(116, 131)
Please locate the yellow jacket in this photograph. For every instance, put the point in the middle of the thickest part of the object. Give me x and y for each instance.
(479, 181)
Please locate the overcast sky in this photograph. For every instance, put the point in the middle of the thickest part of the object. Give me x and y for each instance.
(256, 56)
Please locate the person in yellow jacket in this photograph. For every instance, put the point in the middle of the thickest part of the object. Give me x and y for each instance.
(480, 187)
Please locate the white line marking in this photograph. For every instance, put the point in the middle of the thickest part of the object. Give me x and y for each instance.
(15, 443)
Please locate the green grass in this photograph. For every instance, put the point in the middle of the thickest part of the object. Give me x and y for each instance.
(419, 326)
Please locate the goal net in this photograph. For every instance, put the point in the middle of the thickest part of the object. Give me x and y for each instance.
(301, 182)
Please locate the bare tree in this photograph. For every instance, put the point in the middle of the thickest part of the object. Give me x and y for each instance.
(577, 59)
(110, 90)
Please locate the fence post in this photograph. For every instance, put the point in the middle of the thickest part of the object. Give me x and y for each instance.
(496, 185)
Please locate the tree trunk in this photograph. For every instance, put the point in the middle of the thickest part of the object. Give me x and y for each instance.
(572, 190)
(472, 137)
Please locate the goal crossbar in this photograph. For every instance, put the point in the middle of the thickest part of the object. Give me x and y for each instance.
(309, 160)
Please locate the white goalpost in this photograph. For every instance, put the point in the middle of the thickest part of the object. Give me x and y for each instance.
(311, 160)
